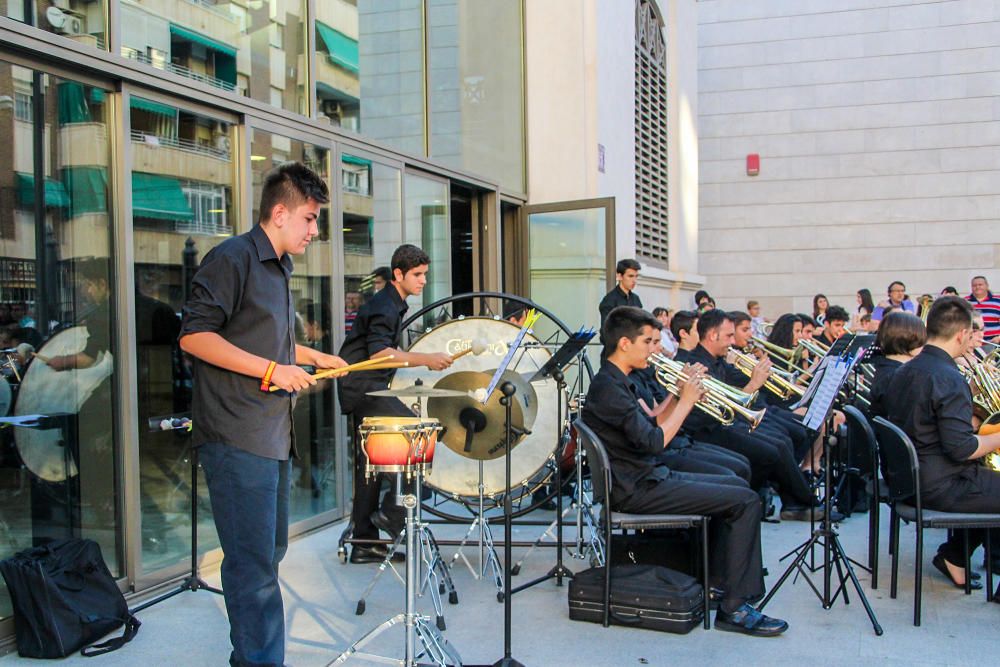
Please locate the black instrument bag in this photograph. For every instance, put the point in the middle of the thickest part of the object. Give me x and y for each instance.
(65, 598)
(642, 596)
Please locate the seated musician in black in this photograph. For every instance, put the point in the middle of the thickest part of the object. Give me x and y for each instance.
(684, 453)
(770, 447)
(833, 327)
(930, 400)
(900, 337)
(684, 327)
(643, 485)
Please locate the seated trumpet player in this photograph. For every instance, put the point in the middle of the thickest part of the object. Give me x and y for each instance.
(643, 484)
(770, 447)
(930, 400)
(683, 454)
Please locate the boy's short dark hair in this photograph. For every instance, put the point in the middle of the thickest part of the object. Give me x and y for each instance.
(513, 309)
(900, 333)
(948, 316)
(682, 320)
(808, 319)
(738, 317)
(291, 184)
(626, 264)
(837, 314)
(384, 273)
(710, 320)
(659, 310)
(624, 322)
(408, 257)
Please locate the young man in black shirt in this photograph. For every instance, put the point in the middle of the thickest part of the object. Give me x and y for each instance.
(376, 333)
(643, 485)
(239, 325)
(930, 400)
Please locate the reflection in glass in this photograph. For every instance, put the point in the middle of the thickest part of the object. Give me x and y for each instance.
(567, 255)
(476, 85)
(254, 48)
(58, 475)
(182, 206)
(313, 475)
(428, 226)
(82, 21)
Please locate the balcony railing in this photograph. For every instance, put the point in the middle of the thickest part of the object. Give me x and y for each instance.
(186, 72)
(203, 227)
(214, 8)
(185, 145)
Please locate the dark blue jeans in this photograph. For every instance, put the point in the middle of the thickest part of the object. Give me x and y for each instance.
(249, 495)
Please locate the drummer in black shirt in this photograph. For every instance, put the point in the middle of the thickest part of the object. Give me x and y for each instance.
(643, 485)
(930, 400)
(376, 333)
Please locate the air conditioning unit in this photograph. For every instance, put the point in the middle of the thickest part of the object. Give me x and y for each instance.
(223, 143)
(330, 107)
(73, 25)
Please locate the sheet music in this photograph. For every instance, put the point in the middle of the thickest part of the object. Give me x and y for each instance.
(826, 393)
(511, 349)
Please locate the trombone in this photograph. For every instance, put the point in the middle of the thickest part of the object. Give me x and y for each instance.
(789, 358)
(778, 382)
(721, 402)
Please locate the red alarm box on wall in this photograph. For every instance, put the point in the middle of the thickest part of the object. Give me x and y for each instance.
(753, 164)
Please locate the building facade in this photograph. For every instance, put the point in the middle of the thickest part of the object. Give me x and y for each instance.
(876, 124)
(499, 136)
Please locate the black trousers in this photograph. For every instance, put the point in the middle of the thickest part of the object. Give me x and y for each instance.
(979, 492)
(790, 423)
(734, 531)
(702, 457)
(367, 490)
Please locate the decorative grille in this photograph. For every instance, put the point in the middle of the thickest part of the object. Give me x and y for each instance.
(651, 239)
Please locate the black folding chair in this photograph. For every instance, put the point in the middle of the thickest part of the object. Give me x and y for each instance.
(901, 469)
(863, 444)
(600, 473)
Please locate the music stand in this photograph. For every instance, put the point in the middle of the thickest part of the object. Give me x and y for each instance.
(553, 368)
(193, 582)
(831, 377)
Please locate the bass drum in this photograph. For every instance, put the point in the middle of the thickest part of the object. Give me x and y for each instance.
(45, 391)
(455, 474)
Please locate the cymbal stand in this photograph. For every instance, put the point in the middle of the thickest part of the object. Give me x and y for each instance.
(833, 556)
(488, 558)
(416, 627)
(558, 571)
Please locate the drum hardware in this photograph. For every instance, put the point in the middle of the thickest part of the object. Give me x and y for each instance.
(488, 557)
(393, 444)
(416, 627)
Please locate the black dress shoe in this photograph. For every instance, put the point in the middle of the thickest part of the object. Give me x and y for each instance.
(939, 563)
(386, 524)
(374, 553)
(748, 621)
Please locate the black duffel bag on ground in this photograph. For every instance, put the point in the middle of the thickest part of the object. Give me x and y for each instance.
(65, 598)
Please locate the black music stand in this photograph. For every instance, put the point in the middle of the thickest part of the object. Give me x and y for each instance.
(832, 376)
(553, 368)
(193, 582)
(507, 389)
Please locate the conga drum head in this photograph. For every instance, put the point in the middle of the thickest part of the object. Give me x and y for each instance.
(458, 475)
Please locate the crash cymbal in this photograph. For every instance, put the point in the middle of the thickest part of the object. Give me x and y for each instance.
(487, 421)
(418, 391)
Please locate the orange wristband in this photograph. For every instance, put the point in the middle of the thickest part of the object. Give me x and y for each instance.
(265, 382)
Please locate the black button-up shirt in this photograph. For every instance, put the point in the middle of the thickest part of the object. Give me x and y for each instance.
(378, 326)
(930, 400)
(885, 369)
(617, 297)
(241, 292)
(631, 439)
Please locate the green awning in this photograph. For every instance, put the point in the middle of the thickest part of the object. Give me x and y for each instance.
(143, 104)
(350, 159)
(72, 103)
(341, 49)
(159, 197)
(96, 95)
(192, 36)
(87, 188)
(55, 193)
(327, 92)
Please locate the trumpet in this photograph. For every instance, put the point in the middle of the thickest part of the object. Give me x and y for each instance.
(721, 402)
(778, 382)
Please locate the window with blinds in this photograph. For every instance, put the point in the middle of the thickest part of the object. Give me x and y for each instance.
(650, 134)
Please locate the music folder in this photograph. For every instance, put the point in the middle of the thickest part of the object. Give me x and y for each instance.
(565, 354)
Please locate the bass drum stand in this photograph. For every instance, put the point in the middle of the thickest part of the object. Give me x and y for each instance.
(489, 560)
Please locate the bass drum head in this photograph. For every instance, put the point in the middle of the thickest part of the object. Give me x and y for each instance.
(455, 474)
(6, 396)
(45, 391)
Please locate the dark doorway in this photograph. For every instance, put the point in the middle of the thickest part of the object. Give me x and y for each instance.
(462, 267)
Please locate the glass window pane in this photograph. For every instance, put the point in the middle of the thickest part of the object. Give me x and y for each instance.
(82, 21)
(369, 69)
(182, 206)
(476, 85)
(254, 48)
(314, 471)
(58, 474)
(428, 225)
(372, 227)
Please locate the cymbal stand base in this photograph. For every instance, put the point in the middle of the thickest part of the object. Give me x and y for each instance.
(489, 560)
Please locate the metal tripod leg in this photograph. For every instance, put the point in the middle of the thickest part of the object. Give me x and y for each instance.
(488, 557)
(386, 564)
